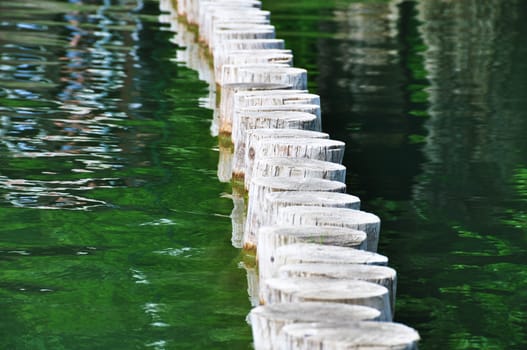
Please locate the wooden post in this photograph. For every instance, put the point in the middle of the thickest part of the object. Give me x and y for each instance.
(241, 31)
(330, 250)
(355, 219)
(293, 121)
(205, 10)
(286, 290)
(308, 148)
(276, 201)
(227, 92)
(227, 46)
(267, 321)
(240, 57)
(291, 167)
(296, 77)
(383, 275)
(270, 238)
(355, 335)
(255, 110)
(263, 185)
(225, 15)
(273, 98)
(230, 73)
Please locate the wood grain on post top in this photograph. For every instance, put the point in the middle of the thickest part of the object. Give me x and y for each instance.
(356, 292)
(306, 244)
(263, 185)
(356, 219)
(267, 321)
(355, 335)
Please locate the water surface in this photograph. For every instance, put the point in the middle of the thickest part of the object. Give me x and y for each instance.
(114, 228)
(430, 98)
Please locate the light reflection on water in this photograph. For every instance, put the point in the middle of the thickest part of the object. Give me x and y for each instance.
(113, 231)
(429, 97)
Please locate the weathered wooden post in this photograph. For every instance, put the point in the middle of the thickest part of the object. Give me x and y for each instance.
(296, 77)
(383, 275)
(254, 57)
(356, 219)
(291, 120)
(230, 73)
(309, 148)
(205, 11)
(356, 292)
(274, 202)
(221, 16)
(241, 31)
(273, 98)
(291, 167)
(227, 93)
(227, 46)
(257, 110)
(356, 335)
(267, 321)
(270, 238)
(264, 185)
(288, 177)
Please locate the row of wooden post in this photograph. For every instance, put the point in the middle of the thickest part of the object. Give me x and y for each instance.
(319, 282)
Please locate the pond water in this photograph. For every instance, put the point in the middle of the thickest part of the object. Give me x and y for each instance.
(430, 97)
(115, 231)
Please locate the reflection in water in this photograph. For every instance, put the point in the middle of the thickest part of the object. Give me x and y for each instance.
(101, 124)
(430, 99)
(74, 119)
(474, 149)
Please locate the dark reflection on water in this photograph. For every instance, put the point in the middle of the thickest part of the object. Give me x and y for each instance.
(430, 97)
(97, 118)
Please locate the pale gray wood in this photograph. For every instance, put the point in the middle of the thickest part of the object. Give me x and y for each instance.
(241, 31)
(217, 15)
(308, 148)
(291, 167)
(230, 73)
(257, 110)
(238, 57)
(227, 92)
(319, 216)
(204, 10)
(324, 252)
(295, 122)
(354, 335)
(253, 136)
(221, 16)
(356, 292)
(383, 275)
(267, 321)
(271, 238)
(255, 44)
(263, 185)
(245, 99)
(274, 202)
(296, 77)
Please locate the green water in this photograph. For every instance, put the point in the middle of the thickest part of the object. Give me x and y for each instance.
(430, 98)
(114, 230)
